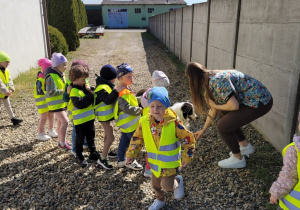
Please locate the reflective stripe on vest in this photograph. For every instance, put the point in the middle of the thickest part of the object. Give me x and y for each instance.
(168, 154)
(103, 111)
(40, 100)
(292, 200)
(127, 123)
(56, 102)
(5, 80)
(81, 116)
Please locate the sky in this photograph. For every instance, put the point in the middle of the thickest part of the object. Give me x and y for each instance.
(190, 2)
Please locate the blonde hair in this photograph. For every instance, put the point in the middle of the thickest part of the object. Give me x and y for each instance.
(199, 86)
(77, 72)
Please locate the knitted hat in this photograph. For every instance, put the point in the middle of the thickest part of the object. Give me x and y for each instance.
(4, 57)
(123, 69)
(159, 94)
(108, 72)
(57, 59)
(160, 79)
(80, 63)
(44, 63)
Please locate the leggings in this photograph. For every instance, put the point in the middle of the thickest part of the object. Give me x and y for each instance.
(229, 126)
(62, 125)
(43, 120)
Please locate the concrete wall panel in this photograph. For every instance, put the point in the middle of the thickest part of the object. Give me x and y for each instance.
(178, 30)
(172, 32)
(187, 34)
(167, 15)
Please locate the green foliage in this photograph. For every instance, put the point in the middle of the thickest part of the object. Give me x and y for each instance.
(57, 41)
(68, 16)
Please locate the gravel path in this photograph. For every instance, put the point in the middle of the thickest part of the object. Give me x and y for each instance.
(39, 175)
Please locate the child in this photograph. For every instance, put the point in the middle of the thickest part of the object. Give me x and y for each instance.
(41, 103)
(286, 188)
(159, 79)
(126, 113)
(55, 84)
(7, 87)
(161, 133)
(66, 98)
(107, 95)
(82, 99)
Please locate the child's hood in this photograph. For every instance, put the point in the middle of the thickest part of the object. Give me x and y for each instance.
(297, 141)
(170, 116)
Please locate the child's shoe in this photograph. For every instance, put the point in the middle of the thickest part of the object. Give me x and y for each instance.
(66, 146)
(134, 165)
(179, 191)
(52, 133)
(121, 164)
(94, 157)
(16, 121)
(105, 163)
(43, 137)
(157, 204)
(246, 150)
(147, 173)
(83, 163)
(232, 162)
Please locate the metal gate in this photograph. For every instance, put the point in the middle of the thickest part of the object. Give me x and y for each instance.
(117, 18)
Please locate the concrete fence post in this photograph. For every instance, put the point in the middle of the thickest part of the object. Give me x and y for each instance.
(207, 33)
(238, 13)
(191, 44)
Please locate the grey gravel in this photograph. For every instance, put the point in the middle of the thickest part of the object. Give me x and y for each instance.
(39, 175)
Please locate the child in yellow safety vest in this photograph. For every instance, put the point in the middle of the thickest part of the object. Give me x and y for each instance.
(7, 87)
(162, 134)
(286, 188)
(127, 114)
(55, 82)
(82, 101)
(107, 94)
(41, 103)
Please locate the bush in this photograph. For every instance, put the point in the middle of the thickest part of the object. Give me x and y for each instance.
(57, 41)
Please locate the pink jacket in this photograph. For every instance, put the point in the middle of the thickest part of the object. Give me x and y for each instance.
(288, 176)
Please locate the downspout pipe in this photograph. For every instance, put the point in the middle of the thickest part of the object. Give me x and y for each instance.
(46, 28)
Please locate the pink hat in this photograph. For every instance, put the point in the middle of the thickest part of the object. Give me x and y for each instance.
(44, 63)
(160, 79)
(144, 98)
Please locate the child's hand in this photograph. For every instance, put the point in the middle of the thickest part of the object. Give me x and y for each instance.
(8, 93)
(87, 87)
(119, 88)
(128, 161)
(69, 88)
(184, 164)
(273, 200)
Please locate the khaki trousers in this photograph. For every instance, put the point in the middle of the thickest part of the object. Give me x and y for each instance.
(7, 106)
(162, 185)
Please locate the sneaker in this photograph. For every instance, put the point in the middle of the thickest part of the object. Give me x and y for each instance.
(105, 163)
(111, 154)
(232, 162)
(85, 147)
(94, 157)
(134, 165)
(83, 163)
(74, 153)
(66, 146)
(16, 121)
(52, 133)
(157, 204)
(121, 164)
(43, 137)
(179, 191)
(246, 150)
(147, 173)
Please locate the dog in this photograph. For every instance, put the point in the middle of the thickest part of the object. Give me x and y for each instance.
(185, 112)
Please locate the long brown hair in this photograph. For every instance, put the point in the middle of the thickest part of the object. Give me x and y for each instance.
(199, 86)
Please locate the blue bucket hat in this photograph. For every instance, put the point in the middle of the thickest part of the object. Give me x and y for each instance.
(123, 69)
(159, 94)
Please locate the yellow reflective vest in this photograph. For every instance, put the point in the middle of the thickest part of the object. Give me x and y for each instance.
(5, 80)
(81, 116)
(168, 154)
(102, 111)
(40, 100)
(146, 111)
(292, 200)
(56, 102)
(127, 123)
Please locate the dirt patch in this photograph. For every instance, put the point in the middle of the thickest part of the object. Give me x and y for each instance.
(39, 175)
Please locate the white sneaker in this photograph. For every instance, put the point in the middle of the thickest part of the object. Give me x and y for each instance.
(147, 173)
(232, 162)
(52, 133)
(157, 204)
(121, 164)
(245, 150)
(134, 165)
(43, 137)
(179, 191)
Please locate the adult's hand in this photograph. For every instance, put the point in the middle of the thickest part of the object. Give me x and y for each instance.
(198, 134)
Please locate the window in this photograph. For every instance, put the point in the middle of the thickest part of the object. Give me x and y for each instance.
(117, 10)
(143, 19)
(150, 10)
(137, 10)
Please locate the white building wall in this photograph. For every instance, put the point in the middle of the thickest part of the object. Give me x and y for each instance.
(22, 33)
